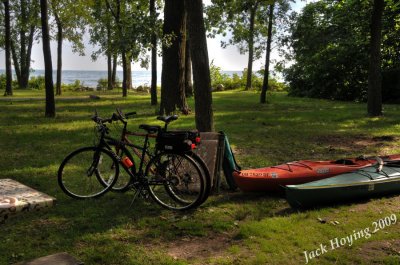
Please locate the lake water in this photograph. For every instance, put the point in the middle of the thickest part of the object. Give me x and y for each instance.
(90, 78)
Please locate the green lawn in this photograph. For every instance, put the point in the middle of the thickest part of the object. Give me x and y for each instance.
(230, 228)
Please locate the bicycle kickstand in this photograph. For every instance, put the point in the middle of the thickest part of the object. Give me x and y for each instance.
(137, 193)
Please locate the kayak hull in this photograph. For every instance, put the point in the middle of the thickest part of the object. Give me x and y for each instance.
(275, 178)
(364, 183)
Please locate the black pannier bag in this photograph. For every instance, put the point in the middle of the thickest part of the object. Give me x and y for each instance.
(177, 141)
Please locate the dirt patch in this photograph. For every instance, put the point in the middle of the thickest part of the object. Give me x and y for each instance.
(375, 252)
(200, 248)
(355, 143)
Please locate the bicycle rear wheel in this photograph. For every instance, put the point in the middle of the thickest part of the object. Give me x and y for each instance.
(78, 175)
(175, 181)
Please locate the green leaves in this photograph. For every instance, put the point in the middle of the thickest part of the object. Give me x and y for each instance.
(329, 43)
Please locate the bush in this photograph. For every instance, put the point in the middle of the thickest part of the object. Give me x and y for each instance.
(2, 81)
(102, 84)
(37, 82)
(235, 81)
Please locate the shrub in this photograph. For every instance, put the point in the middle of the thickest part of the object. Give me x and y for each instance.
(2, 81)
(102, 84)
(37, 82)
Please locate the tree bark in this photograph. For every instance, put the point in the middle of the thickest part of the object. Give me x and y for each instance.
(375, 78)
(109, 59)
(128, 73)
(263, 96)
(59, 54)
(201, 66)
(50, 103)
(7, 26)
(251, 47)
(124, 75)
(27, 59)
(188, 68)
(16, 62)
(153, 86)
(114, 70)
(173, 70)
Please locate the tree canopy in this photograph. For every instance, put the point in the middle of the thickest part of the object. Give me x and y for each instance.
(329, 48)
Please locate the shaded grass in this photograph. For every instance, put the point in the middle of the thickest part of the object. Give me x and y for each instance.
(261, 228)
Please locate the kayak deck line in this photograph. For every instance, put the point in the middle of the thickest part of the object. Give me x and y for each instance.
(294, 163)
(295, 187)
(351, 184)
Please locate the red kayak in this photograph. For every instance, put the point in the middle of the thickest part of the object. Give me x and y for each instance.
(298, 172)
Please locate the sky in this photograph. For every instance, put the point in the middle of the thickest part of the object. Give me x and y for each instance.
(229, 59)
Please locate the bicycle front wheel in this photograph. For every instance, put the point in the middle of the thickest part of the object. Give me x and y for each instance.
(175, 181)
(79, 173)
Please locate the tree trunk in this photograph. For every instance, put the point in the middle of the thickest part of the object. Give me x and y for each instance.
(50, 104)
(173, 70)
(128, 73)
(27, 59)
(22, 55)
(188, 68)
(263, 97)
(251, 47)
(59, 55)
(109, 59)
(16, 62)
(375, 78)
(201, 66)
(8, 91)
(124, 75)
(114, 70)
(153, 87)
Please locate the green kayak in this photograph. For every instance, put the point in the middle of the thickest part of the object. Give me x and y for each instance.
(363, 183)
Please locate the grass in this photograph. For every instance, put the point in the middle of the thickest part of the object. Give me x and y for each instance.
(230, 228)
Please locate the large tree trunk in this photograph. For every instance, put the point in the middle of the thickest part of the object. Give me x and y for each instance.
(7, 27)
(153, 87)
(59, 55)
(201, 66)
(375, 78)
(251, 47)
(173, 70)
(263, 96)
(50, 104)
(188, 68)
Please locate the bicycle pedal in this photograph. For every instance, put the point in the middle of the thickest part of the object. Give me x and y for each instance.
(144, 194)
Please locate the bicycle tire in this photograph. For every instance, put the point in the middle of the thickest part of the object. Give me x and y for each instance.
(78, 174)
(124, 179)
(175, 181)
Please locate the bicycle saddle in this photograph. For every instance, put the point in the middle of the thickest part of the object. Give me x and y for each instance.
(151, 129)
(167, 119)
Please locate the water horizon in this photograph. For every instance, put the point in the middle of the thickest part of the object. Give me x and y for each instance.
(90, 78)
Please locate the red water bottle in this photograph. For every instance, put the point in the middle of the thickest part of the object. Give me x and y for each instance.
(127, 162)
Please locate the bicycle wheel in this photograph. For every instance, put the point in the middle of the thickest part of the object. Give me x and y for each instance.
(78, 175)
(175, 181)
(124, 179)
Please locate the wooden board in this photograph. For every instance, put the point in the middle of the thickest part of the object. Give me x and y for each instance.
(210, 151)
(17, 198)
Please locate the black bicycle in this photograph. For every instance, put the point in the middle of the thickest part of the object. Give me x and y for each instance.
(165, 141)
(173, 179)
